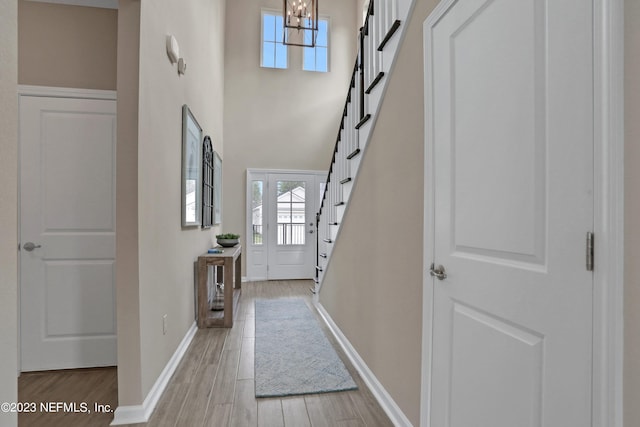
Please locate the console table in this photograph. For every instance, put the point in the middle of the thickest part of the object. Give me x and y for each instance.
(231, 261)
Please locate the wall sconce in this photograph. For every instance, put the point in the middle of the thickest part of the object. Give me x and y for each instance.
(173, 50)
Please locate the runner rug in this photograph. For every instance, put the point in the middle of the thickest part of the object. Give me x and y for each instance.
(292, 354)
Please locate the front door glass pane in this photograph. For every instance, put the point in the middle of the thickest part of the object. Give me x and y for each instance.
(291, 212)
(256, 214)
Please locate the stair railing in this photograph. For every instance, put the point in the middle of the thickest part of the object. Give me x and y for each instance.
(362, 102)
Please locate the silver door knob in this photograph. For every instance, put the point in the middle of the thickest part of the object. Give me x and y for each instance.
(310, 231)
(29, 246)
(438, 272)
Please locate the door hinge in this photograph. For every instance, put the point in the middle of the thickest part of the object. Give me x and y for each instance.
(589, 263)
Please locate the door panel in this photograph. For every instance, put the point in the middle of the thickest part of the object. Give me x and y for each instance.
(504, 357)
(291, 226)
(67, 191)
(510, 96)
(69, 286)
(281, 208)
(498, 65)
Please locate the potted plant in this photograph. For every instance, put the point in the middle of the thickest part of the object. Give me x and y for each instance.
(227, 240)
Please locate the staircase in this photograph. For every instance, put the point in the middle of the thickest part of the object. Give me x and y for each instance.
(379, 42)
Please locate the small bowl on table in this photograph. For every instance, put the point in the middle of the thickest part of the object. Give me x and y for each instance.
(227, 243)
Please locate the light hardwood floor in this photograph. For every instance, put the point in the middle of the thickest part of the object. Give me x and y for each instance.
(213, 385)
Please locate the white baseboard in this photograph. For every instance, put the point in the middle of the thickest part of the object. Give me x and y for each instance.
(134, 414)
(393, 411)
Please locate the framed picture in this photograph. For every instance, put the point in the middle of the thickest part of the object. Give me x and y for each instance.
(191, 169)
(217, 189)
(207, 182)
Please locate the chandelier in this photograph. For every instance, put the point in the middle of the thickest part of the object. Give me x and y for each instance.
(300, 22)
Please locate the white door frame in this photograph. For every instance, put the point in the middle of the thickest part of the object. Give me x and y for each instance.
(608, 338)
(252, 174)
(49, 92)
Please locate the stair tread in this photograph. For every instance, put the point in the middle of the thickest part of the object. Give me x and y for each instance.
(353, 154)
(363, 121)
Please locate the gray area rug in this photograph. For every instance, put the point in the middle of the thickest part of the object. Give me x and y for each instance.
(292, 354)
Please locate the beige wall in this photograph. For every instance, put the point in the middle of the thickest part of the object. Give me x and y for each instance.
(360, 5)
(280, 119)
(66, 46)
(632, 214)
(127, 280)
(375, 295)
(166, 252)
(8, 207)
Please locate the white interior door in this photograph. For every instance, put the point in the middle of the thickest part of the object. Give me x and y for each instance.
(509, 89)
(291, 226)
(67, 232)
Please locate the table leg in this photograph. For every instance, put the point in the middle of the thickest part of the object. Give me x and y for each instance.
(228, 292)
(239, 271)
(203, 298)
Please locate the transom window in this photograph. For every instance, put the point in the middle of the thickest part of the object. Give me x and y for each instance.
(274, 52)
(317, 58)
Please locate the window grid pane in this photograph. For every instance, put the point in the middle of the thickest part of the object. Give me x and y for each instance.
(279, 29)
(281, 56)
(309, 59)
(322, 33)
(268, 54)
(316, 58)
(321, 59)
(269, 28)
(274, 53)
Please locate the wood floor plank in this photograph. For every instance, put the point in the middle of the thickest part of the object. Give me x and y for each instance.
(329, 408)
(270, 413)
(234, 341)
(213, 385)
(77, 388)
(250, 327)
(245, 307)
(355, 422)
(170, 405)
(217, 342)
(219, 415)
(194, 409)
(295, 413)
(225, 381)
(192, 358)
(369, 409)
(202, 352)
(317, 413)
(246, 367)
(245, 406)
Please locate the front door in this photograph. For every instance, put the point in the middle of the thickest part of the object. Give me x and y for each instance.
(67, 232)
(291, 226)
(509, 90)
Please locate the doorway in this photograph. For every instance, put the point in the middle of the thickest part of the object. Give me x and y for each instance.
(67, 228)
(281, 229)
(512, 197)
(468, 265)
